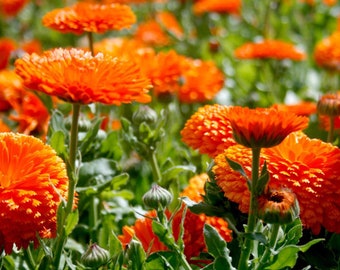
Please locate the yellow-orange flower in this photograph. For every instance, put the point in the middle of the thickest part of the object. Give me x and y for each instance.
(6, 47)
(90, 17)
(230, 6)
(308, 167)
(33, 180)
(202, 80)
(76, 76)
(304, 108)
(263, 127)
(274, 49)
(209, 130)
(327, 52)
(11, 7)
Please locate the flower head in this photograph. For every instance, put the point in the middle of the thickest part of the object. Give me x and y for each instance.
(90, 17)
(33, 181)
(263, 127)
(274, 49)
(329, 104)
(209, 130)
(304, 108)
(12, 90)
(11, 7)
(204, 6)
(77, 76)
(308, 167)
(327, 52)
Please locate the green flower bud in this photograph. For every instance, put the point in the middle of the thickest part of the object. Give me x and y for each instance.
(278, 207)
(157, 197)
(95, 256)
(144, 114)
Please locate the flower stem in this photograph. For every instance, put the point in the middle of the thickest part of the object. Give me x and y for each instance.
(252, 216)
(272, 243)
(156, 173)
(90, 38)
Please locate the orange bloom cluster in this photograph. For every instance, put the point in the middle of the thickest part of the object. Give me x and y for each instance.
(11, 7)
(230, 6)
(263, 127)
(90, 17)
(193, 225)
(308, 167)
(209, 130)
(153, 32)
(77, 76)
(274, 49)
(327, 52)
(33, 180)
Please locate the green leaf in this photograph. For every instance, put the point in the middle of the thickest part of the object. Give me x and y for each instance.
(135, 256)
(163, 234)
(87, 141)
(217, 246)
(162, 260)
(221, 263)
(263, 180)
(173, 172)
(71, 221)
(237, 167)
(257, 236)
(57, 124)
(57, 141)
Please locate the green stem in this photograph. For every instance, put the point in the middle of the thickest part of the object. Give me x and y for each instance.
(156, 173)
(272, 243)
(90, 38)
(252, 216)
(331, 130)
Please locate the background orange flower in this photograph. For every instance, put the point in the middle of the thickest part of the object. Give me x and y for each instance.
(327, 52)
(32, 179)
(11, 7)
(275, 49)
(209, 130)
(90, 17)
(77, 76)
(230, 6)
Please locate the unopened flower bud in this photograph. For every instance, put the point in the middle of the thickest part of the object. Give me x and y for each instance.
(95, 256)
(329, 104)
(278, 207)
(157, 197)
(144, 114)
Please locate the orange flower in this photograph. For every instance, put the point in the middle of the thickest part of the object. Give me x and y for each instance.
(304, 108)
(325, 122)
(230, 6)
(7, 46)
(12, 90)
(153, 32)
(329, 104)
(202, 80)
(89, 17)
(77, 76)
(275, 49)
(33, 180)
(327, 52)
(209, 130)
(263, 127)
(308, 167)
(11, 7)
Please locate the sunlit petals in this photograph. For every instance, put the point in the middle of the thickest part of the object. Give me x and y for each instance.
(327, 52)
(230, 6)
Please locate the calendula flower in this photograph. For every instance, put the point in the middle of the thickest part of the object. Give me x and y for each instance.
(274, 49)
(263, 127)
(204, 6)
(201, 81)
(76, 76)
(11, 7)
(304, 108)
(7, 46)
(33, 181)
(327, 53)
(329, 104)
(12, 90)
(307, 167)
(90, 17)
(209, 130)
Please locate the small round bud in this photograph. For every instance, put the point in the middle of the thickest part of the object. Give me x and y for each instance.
(144, 114)
(157, 197)
(95, 256)
(329, 104)
(278, 207)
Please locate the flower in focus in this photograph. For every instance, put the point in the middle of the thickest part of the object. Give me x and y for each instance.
(7, 46)
(33, 181)
(263, 127)
(230, 6)
(76, 76)
(305, 108)
(202, 80)
(307, 167)
(154, 31)
(11, 7)
(90, 17)
(327, 52)
(209, 130)
(274, 49)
